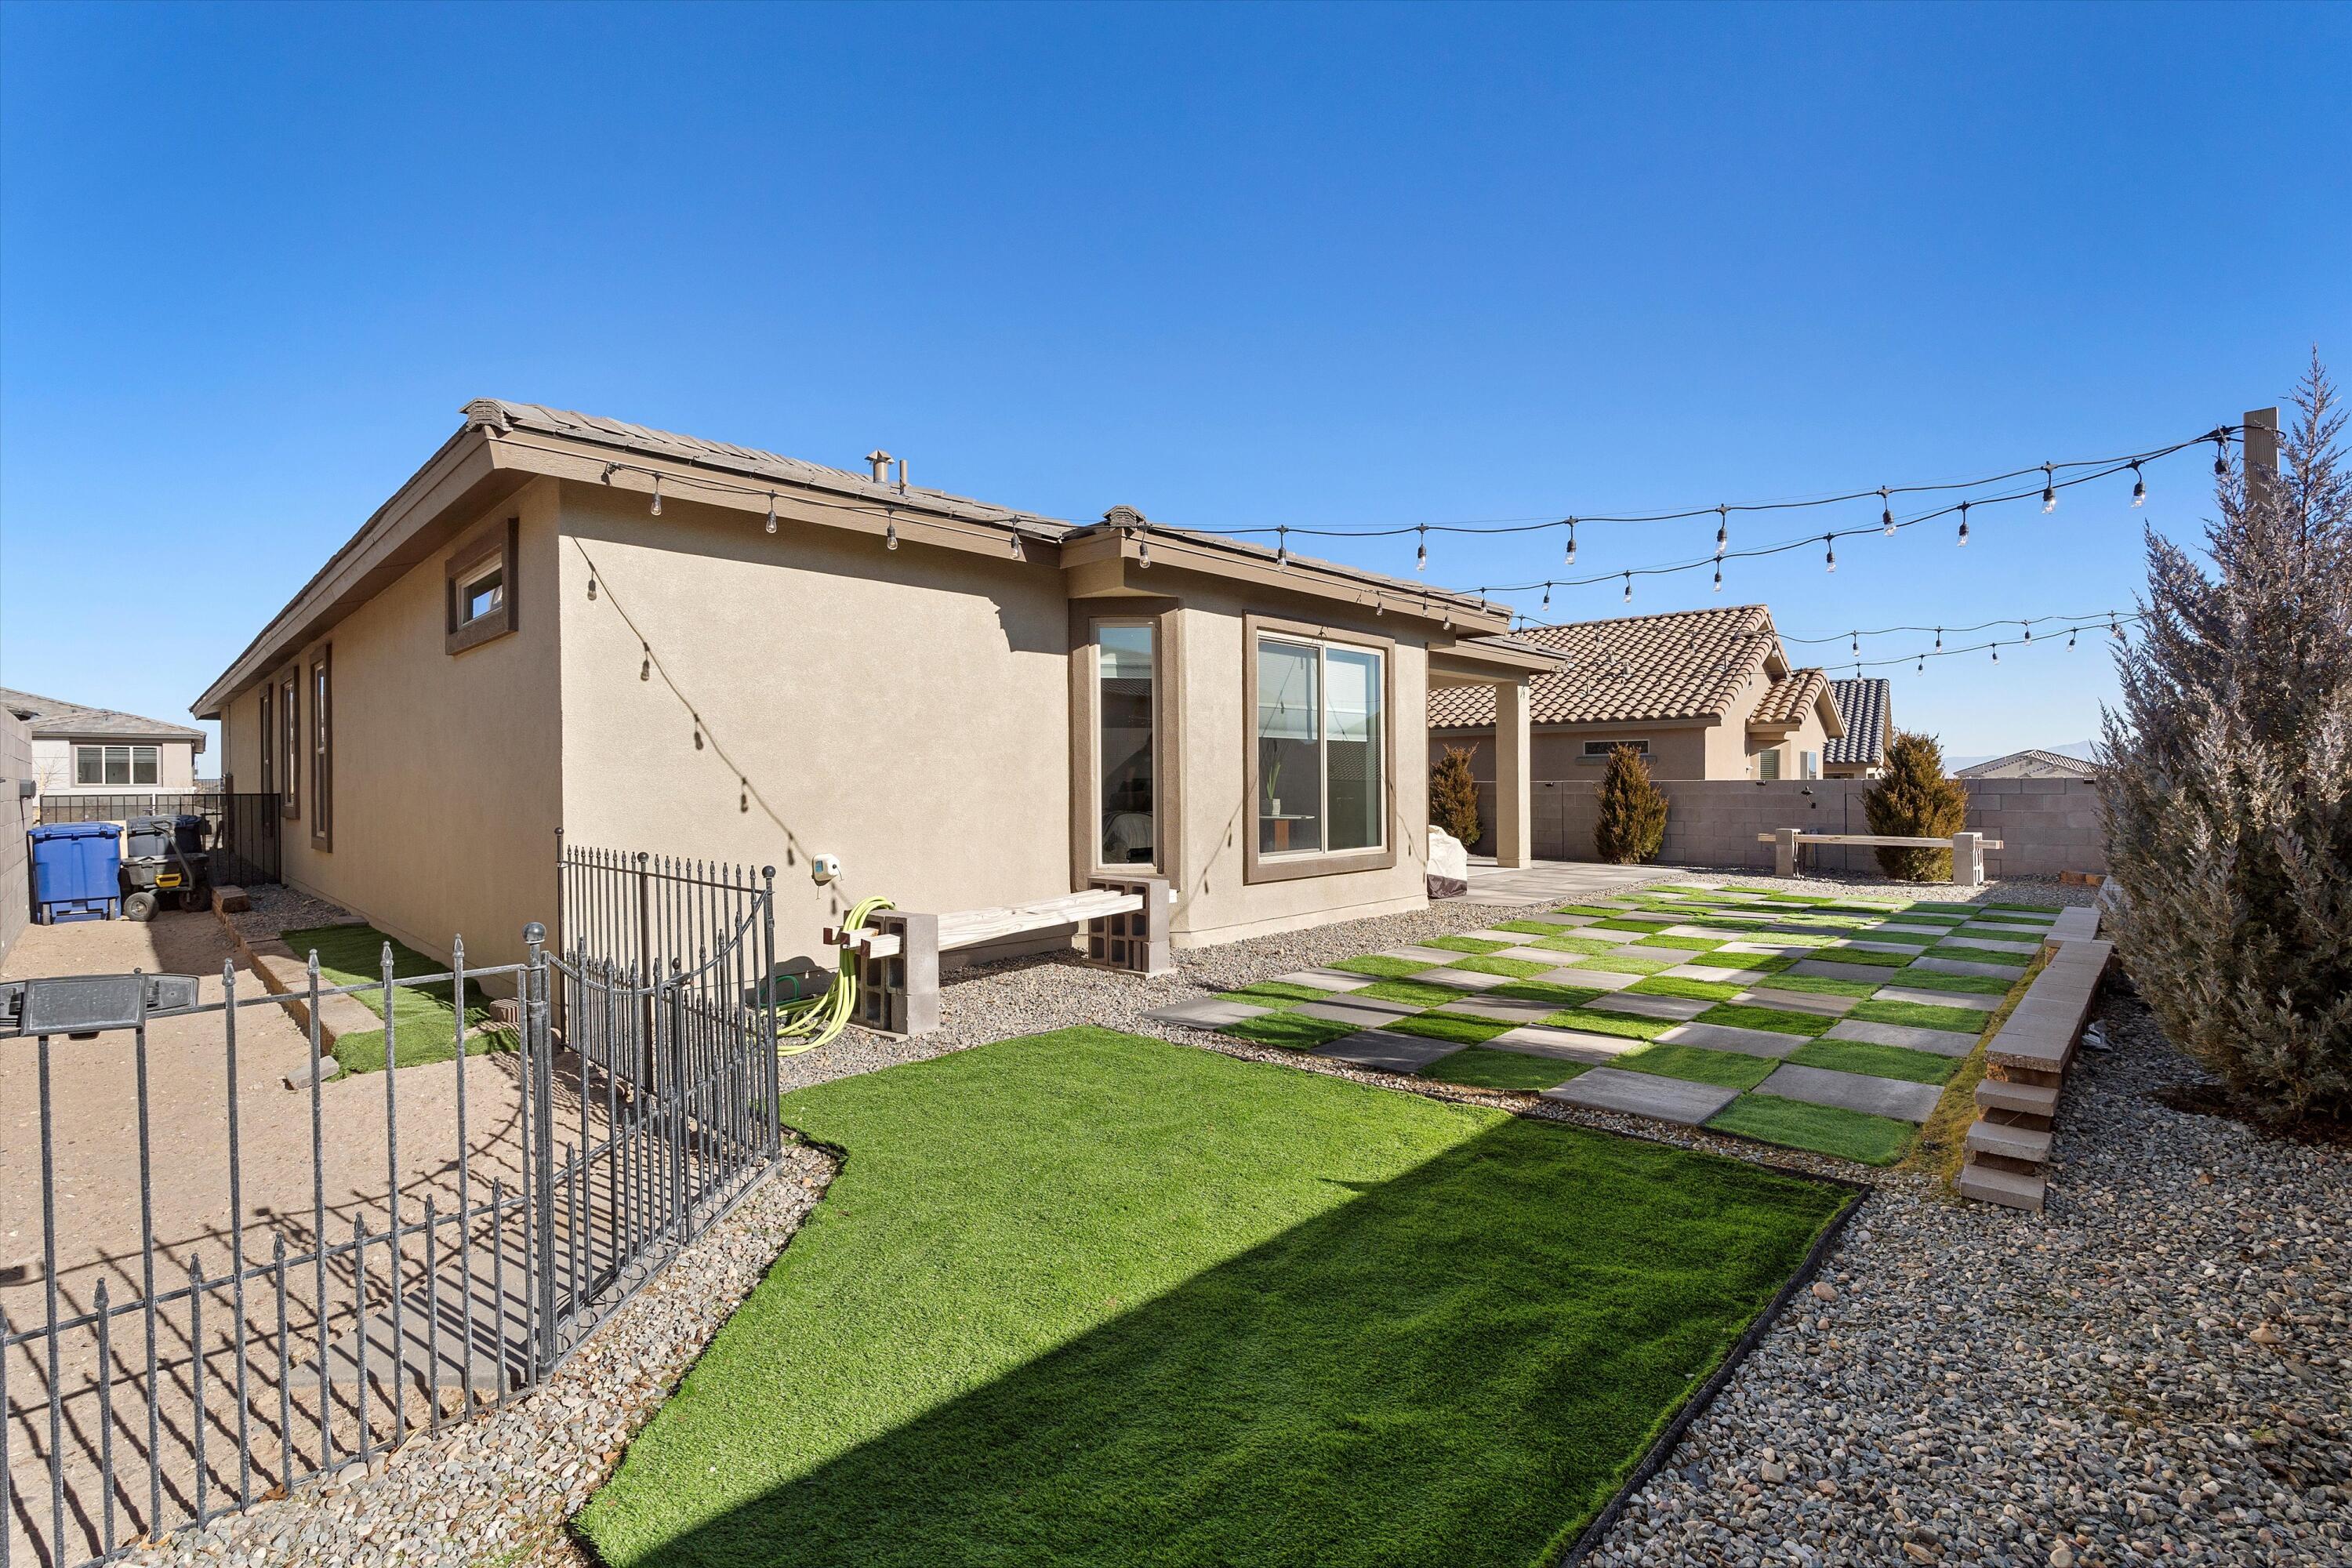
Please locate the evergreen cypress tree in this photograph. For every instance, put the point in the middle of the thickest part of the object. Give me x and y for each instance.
(2227, 790)
(1632, 818)
(1915, 800)
(1453, 796)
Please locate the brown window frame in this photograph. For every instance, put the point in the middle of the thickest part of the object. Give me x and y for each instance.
(1285, 868)
(289, 741)
(322, 747)
(468, 563)
(269, 732)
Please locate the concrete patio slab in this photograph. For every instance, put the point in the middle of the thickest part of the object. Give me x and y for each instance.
(1921, 995)
(1509, 1009)
(1728, 1038)
(1508, 938)
(1594, 933)
(1943, 1042)
(1826, 1006)
(1550, 881)
(1529, 954)
(1826, 969)
(1328, 979)
(1366, 1011)
(1998, 944)
(1566, 1045)
(1714, 971)
(1387, 1051)
(1462, 979)
(1589, 979)
(1209, 1013)
(1643, 1094)
(1424, 954)
(1764, 949)
(1853, 1091)
(1914, 928)
(1678, 1008)
(1962, 966)
(1865, 945)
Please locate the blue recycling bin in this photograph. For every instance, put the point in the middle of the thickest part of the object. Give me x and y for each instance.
(77, 870)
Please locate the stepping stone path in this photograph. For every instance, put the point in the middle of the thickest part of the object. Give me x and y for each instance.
(1835, 1110)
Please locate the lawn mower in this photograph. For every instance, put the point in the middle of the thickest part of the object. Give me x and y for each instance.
(164, 858)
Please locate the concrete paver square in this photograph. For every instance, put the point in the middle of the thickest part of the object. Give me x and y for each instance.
(1672, 1099)
(1853, 1091)
(1352, 1010)
(1595, 933)
(1675, 1008)
(1587, 978)
(1824, 969)
(1529, 954)
(1509, 1009)
(1962, 966)
(1714, 971)
(1937, 998)
(1568, 1044)
(1943, 1042)
(1328, 979)
(1462, 979)
(1817, 1002)
(1730, 1038)
(1210, 1012)
(1424, 954)
(1387, 1051)
(1997, 944)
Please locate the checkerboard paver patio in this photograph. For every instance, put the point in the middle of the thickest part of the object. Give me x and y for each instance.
(1658, 1053)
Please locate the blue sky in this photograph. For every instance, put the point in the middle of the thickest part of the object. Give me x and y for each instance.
(1322, 267)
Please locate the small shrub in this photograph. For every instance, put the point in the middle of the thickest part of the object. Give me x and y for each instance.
(1453, 796)
(1915, 800)
(1633, 822)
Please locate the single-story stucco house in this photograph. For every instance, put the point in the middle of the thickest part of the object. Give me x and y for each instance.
(2032, 763)
(78, 749)
(1867, 707)
(650, 641)
(1702, 694)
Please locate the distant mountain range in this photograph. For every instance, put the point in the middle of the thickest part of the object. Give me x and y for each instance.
(2070, 749)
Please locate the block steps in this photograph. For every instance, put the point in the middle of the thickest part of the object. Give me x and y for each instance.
(2007, 1153)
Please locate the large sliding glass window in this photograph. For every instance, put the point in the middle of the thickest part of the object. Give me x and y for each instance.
(1320, 743)
(1126, 700)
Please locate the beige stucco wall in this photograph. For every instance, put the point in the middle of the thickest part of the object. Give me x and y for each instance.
(1733, 752)
(175, 766)
(907, 710)
(446, 789)
(1677, 750)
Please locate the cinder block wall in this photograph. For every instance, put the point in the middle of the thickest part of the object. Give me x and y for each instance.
(2046, 825)
(16, 818)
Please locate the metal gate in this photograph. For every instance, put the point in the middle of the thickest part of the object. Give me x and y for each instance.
(233, 1294)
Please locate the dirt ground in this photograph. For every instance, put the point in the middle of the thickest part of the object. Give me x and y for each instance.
(196, 1217)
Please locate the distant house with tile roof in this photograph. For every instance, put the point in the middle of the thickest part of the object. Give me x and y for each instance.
(2032, 763)
(78, 749)
(1867, 706)
(1703, 694)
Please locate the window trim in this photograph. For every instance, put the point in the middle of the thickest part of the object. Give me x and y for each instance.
(289, 741)
(1585, 754)
(492, 548)
(1085, 734)
(322, 747)
(1294, 864)
(130, 749)
(1094, 628)
(267, 729)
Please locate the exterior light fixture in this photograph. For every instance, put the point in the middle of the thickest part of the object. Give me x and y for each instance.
(657, 509)
(1570, 559)
(1964, 523)
(2049, 492)
(2139, 488)
(771, 511)
(1420, 553)
(1885, 514)
(1722, 530)
(1831, 542)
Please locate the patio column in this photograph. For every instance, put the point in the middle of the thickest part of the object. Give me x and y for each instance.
(1514, 795)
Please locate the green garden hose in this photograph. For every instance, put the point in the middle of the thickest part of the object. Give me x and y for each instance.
(815, 1021)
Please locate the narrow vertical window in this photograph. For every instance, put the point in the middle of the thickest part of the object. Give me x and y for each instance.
(322, 753)
(1289, 747)
(1355, 746)
(1125, 696)
(89, 764)
(143, 766)
(268, 731)
(1767, 763)
(289, 744)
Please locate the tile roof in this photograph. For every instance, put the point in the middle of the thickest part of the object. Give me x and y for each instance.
(52, 720)
(2031, 763)
(1866, 704)
(1787, 700)
(1689, 664)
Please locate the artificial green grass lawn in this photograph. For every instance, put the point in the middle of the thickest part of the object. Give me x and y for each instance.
(1877, 1060)
(424, 1020)
(1726, 1069)
(1675, 986)
(1275, 993)
(1545, 991)
(1620, 962)
(1480, 1067)
(1622, 922)
(1822, 985)
(1374, 964)
(1739, 1016)
(1468, 943)
(1534, 928)
(1974, 984)
(1087, 1298)
(1510, 968)
(1968, 955)
(1870, 955)
(1687, 943)
(1569, 942)
(1413, 992)
(1291, 1031)
(1920, 1015)
(1625, 1026)
(1824, 1128)
(1460, 1026)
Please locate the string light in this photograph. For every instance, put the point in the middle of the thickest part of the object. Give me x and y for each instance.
(2220, 438)
(1281, 549)
(591, 588)
(1722, 530)
(1885, 514)
(656, 495)
(1923, 666)
(2049, 492)
(1939, 640)
(1830, 541)
(1020, 554)
(2070, 639)
(2139, 488)
(1629, 587)
(744, 802)
(890, 533)
(771, 511)
(697, 732)
(1571, 541)
(1857, 644)
(1421, 554)
(1718, 577)
(646, 668)
(2028, 629)
(1996, 653)
(1964, 523)
(1547, 604)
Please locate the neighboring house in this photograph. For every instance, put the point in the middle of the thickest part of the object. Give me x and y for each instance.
(97, 751)
(1867, 706)
(643, 640)
(1702, 694)
(2031, 764)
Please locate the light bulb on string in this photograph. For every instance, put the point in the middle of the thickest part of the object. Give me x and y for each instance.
(1885, 514)
(1722, 530)
(1281, 546)
(645, 665)
(1547, 604)
(2028, 629)
(2070, 638)
(1571, 541)
(1996, 653)
(1923, 666)
(890, 531)
(2221, 452)
(1421, 552)
(1964, 523)
(1830, 541)
(591, 588)
(2049, 491)
(744, 802)
(771, 511)
(2115, 627)
(2139, 488)
(1020, 554)
(1939, 640)
(1718, 577)
(1629, 587)
(1857, 644)
(657, 509)
(697, 732)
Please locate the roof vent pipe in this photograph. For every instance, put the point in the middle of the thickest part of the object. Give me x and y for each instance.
(880, 461)
(902, 474)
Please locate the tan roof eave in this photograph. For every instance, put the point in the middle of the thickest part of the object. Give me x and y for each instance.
(1099, 554)
(1489, 662)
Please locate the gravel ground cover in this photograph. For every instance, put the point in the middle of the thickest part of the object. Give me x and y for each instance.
(1974, 1384)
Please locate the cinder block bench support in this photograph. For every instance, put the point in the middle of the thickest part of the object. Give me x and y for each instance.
(1123, 922)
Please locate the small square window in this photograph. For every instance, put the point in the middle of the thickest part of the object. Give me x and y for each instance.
(483, 595)
(481, 587)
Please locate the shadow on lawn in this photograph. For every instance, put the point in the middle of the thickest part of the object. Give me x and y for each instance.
(1400, 1380)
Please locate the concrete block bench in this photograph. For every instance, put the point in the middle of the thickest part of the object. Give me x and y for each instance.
(1123, 922)
(2008, 1149)
(1968, 849)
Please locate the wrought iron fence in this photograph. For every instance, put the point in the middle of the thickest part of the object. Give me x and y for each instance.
(187, 1341)
(245, 829)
